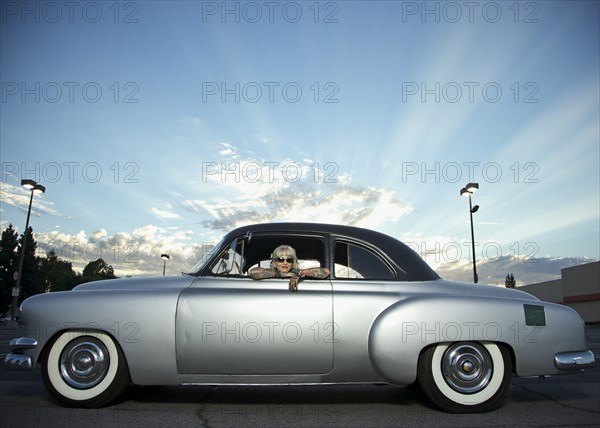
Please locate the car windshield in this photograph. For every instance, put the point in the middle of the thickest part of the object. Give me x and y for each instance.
(202, 262)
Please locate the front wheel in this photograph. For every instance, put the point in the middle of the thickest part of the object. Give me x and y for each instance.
(84, 369)
(465, 377)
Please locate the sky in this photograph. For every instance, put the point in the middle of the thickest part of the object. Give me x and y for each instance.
(156, 127)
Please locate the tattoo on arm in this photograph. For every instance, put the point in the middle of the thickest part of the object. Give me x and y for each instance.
(317, 273)
(261, 273)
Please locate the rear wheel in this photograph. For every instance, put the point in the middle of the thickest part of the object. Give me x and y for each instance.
(84, 369)
(465, 377)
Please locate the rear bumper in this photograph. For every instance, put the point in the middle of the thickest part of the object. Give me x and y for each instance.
(573, 361)
(16, 360)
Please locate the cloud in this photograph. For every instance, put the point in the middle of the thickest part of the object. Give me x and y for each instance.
(130, 253)
(288, 190)
(526, 270)
(361, 206)
(228, 150)
(164, 214)
(98, 235)
(190, 120)
(19, 197)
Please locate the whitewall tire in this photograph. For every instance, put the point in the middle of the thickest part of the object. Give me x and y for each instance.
(465, 377)
(84, 368)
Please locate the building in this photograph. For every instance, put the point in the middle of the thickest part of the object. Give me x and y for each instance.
(579, 288)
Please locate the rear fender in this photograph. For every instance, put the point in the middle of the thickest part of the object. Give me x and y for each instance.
(403, 330)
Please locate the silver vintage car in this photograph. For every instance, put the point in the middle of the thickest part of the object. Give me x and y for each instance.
(380, 315)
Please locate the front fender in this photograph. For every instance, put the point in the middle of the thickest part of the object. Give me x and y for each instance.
(141, 321)
(403, 330)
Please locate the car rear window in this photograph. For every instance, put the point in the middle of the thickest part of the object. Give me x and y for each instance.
(353, 261)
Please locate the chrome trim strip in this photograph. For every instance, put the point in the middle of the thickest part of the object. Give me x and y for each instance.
(23, 343)
(17, 362)
(576, 360)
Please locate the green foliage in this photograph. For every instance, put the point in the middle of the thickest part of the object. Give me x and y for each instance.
(32, 279)
(9, 260)
(98, 270)
(58, 274)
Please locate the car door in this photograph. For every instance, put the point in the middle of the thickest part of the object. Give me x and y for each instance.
(363, 288)
(231, 324)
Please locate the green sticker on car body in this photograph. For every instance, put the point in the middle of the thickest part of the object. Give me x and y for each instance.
(534, 315)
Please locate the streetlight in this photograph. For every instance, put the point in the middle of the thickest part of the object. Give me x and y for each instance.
(468, 191)
(165, 257)
(34, 187)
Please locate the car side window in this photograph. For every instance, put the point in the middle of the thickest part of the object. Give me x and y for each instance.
(229, 261)
(244, 253)
(353, 261)
(310, 250)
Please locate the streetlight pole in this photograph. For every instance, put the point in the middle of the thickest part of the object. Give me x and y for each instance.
(468, 190)
(33, 186)
(165, 257)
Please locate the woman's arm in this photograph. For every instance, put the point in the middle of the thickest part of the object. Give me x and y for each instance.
(317, 273)
(262, 273)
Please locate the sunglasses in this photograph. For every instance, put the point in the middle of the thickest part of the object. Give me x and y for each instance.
(283, 259)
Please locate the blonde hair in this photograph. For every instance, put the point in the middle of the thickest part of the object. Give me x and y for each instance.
(286, 250)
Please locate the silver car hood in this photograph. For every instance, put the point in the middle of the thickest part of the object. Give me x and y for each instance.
(150, 282)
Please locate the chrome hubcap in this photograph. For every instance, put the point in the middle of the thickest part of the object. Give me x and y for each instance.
(467, 367)
(84, 362)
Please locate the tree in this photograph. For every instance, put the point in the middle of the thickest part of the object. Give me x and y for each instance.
(9, 260)
(97, 270)
(58, 274)
(32, 279)
(510, 281)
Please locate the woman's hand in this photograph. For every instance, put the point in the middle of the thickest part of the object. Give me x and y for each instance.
(294, 280)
